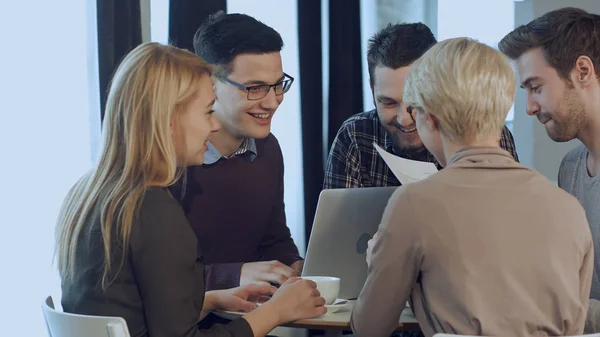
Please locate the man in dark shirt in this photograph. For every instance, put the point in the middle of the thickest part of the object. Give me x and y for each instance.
(234, 202)
(353, 161)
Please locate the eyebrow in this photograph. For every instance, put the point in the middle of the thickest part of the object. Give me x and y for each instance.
(386, 98)
(249, 83)
(528, 81)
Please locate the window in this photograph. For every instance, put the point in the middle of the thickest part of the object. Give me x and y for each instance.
(50, 126)
(486, 21)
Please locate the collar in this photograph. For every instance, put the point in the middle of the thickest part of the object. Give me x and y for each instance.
(486, 156)
(213, 155)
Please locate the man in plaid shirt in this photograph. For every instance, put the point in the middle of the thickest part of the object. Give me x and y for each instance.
(353, 160)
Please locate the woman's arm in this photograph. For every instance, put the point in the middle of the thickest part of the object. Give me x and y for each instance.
(169, 274)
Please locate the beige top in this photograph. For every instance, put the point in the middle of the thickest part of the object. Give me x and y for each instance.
(483, 247)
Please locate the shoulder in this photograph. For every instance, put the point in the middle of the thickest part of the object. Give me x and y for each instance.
(157, 196)
(269, 143)
(361, 122)
(574, 156)
(160, 212)
(269, 150)
(358, 129)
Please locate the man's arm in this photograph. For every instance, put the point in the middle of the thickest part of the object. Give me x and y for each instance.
(343, 164)
(507, 142)
(592, 316)
(393, 270)
(277, 243)
(223, 275)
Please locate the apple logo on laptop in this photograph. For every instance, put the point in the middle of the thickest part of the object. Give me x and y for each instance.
(363, 243)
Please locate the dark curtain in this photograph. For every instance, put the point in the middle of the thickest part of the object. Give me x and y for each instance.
(185, 16)
(320, 124)
(311, 104)
(345, 70)
(119, 31)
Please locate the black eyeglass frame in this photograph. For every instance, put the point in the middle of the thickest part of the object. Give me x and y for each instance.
(412, 111)
(285, 84)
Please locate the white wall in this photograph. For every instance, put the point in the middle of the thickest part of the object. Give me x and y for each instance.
(145, 20)
(47, 119)
(536, 149)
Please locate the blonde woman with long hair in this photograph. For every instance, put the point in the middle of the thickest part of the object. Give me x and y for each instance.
(124, 246)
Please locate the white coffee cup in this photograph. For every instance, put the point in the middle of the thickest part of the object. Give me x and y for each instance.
(328, 286)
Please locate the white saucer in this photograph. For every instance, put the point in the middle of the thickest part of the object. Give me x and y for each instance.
(335, 307)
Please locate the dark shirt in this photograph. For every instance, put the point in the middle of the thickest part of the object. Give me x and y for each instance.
(160, 289)
(235, 206)
(354, 162)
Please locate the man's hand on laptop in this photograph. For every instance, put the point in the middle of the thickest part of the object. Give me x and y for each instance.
(266, 272)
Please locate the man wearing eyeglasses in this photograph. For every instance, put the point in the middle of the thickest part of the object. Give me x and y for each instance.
(234, 202)
(353, 161)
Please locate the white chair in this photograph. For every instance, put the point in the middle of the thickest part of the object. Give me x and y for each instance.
(62, 324)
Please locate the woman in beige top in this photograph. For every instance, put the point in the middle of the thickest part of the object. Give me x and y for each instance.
(485, 246)
(125, 247)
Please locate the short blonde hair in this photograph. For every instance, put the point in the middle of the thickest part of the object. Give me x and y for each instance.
(468, 86)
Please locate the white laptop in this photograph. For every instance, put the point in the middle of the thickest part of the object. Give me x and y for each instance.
(345, 220)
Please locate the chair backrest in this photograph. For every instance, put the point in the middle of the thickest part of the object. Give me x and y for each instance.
(62, 324)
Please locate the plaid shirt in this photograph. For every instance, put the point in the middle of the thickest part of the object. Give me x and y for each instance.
(354, 162)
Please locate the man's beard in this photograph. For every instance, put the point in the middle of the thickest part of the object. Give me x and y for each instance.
(402, 148)
(567, 129)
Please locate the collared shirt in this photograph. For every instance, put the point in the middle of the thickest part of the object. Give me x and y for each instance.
(475, 258)
(213, 155)
(354, 162)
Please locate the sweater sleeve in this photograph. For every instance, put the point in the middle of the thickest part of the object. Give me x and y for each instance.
(223, 275)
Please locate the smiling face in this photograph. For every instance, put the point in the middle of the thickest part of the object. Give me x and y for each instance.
(195, 124)
(556, 103)
(388, 89)
(240, 116)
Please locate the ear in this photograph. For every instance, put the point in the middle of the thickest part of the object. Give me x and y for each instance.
(584, 71)
(432, 122)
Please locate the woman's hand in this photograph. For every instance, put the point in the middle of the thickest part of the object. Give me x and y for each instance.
(242, 298)
(297, 299)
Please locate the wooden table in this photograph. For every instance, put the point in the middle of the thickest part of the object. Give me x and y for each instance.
(336, 323)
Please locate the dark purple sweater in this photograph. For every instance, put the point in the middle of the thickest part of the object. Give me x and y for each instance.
(235, 207)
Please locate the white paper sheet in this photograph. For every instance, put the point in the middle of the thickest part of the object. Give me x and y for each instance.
(406, 170)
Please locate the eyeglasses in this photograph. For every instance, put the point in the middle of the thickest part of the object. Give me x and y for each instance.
(412, 111)
(257, 92)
